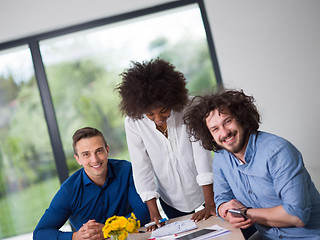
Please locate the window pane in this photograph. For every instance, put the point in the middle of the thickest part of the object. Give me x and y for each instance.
(28, 178)
(83, 69)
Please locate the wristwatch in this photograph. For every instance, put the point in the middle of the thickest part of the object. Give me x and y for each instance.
(245, 210)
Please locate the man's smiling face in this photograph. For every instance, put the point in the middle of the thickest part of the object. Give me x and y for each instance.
(227, 132)
(92, 154)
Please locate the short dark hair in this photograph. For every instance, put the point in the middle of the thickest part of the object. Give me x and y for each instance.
(86, 132)
(240, 106)
(149, 85)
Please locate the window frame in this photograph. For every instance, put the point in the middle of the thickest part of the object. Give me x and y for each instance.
(33, 43)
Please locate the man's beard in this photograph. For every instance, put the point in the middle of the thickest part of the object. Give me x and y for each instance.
(242, 142)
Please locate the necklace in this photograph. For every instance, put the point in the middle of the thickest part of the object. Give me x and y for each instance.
(164, 132)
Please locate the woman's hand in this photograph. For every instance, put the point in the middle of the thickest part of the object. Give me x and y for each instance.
(210, 206)
(204, 213)
(154, 215)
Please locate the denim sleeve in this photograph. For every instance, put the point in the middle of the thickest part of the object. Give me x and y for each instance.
(222, 189)
(53, 219)
(291, 180)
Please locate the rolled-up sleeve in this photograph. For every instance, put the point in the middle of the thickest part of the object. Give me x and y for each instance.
(203, 161)
(291, 181)
(142, 168)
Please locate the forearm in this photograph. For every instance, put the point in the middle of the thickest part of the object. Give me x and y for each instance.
(53, 234)
(208, 195)
(153, 209)
(274, 217)
(209, 208)
(49, 225)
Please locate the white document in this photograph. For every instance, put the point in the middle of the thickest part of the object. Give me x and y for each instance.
(174, 228)
(206, 233)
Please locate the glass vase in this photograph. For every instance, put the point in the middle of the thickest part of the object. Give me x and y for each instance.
(115, 237)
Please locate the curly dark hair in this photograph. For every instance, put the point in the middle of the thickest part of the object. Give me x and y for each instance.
(86, 132)
(240, 106)
(149, 85)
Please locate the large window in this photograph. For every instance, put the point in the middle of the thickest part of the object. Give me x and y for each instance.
(83, 68)
(72, 86)
(28, 178)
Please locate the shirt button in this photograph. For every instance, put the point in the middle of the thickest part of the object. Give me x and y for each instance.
(280, 236)
(249, 191)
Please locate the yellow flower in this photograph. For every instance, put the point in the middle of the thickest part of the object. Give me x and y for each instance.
(106, 231)
(114, 225)
(122, 222)
(120, 226)
(117, 223)
(110, 219)
(131, 226)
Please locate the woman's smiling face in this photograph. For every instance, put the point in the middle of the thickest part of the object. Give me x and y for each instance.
(159, 115)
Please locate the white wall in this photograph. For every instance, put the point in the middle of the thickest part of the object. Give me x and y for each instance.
(19, 18)
(269, 48)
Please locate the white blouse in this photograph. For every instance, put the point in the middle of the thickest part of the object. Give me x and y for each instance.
(174, 168)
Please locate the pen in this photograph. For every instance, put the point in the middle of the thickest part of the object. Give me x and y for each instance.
(153, 223)
(164, 237)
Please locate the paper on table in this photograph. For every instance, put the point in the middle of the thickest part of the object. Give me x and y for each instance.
(174, 228)
(214, 231)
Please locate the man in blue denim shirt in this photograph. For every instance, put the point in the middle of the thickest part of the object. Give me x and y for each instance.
(101, 189)
(257, 173)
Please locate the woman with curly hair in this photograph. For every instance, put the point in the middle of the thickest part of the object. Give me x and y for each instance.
(166, 163)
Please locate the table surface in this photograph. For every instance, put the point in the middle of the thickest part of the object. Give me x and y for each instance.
(235, 233)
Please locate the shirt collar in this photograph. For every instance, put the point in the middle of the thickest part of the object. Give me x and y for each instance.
(251, 148)
(110, 175)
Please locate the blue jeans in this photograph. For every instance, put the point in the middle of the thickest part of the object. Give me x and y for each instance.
(248, 232)
(172, 212)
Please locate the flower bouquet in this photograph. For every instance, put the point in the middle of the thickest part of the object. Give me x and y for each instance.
(118, 227)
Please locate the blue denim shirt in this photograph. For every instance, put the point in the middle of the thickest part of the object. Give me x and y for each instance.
(80, 200)
(274, 175)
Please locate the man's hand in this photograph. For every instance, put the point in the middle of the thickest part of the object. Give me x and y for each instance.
(239, 222)
(89, 231)
(236, 221)
(204, 213)
(233, 204)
